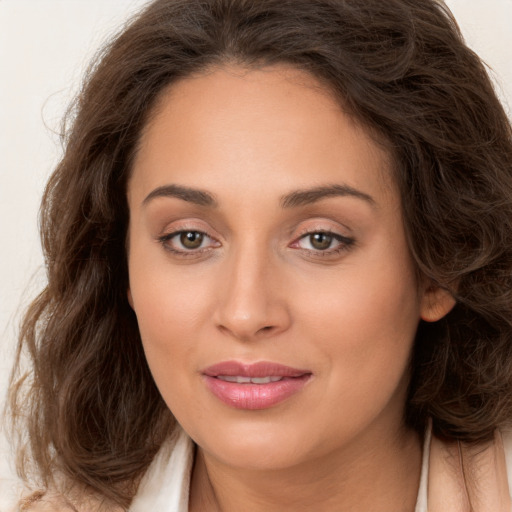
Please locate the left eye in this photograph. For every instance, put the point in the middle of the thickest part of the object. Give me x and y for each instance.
(183, 241)
(322, 241)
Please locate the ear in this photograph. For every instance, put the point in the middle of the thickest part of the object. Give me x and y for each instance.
(130, 298)
(436, 303)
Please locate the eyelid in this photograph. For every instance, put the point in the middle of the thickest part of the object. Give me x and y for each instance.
(186, 224)
(177, 228)
(346, 242)
(166, 242)
(333, 234)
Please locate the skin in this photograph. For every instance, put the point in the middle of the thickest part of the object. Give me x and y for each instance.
(258, 288)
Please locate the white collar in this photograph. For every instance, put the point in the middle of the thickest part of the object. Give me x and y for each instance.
(165, 486)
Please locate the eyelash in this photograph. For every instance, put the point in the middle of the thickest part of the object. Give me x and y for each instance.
(345, 243)
(166, 241)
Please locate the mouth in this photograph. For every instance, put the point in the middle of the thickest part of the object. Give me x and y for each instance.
(249, 380)
(254, 386)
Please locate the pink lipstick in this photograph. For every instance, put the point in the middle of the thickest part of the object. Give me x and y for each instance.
(254, 386)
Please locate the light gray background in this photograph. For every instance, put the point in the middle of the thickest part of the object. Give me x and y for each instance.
(44, 47)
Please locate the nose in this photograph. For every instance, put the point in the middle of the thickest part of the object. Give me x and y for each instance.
(252, 302)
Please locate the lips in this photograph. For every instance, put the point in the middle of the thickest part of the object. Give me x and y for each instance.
(254, 386)
(249, 380)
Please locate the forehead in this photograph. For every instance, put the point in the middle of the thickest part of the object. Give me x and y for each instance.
(276, 125)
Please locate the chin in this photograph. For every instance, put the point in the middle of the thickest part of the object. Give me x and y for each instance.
(257, 444)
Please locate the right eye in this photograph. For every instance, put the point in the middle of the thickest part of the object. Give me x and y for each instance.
(187, 241)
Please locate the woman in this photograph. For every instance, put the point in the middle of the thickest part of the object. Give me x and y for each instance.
(279, 253)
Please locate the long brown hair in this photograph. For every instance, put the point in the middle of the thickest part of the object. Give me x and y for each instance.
(88, 406)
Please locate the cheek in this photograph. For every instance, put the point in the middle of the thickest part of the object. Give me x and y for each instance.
(166, 296)
(169, 312)
(168, 336)
(363, 325)
(168, 307)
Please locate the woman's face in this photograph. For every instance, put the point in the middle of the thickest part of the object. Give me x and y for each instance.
(269, 271)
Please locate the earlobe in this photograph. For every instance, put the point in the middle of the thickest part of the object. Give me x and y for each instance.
(436, 303)
(130, 298)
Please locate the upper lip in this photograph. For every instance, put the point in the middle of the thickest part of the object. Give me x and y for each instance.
(259, 369)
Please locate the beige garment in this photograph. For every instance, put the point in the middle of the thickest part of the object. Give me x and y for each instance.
(468, 478)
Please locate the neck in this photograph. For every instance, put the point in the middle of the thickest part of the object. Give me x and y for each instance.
(382, 475)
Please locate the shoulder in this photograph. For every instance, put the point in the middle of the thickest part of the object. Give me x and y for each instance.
(477, 473)
(56, 502)
(45, 502)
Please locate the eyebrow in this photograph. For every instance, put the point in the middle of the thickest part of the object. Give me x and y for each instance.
(290, 200)
(191, 195)
(312, 195)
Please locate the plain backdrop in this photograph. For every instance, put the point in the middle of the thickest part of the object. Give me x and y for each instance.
(44, 48)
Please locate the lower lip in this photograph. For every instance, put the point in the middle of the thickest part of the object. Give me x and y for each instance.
(255, 396)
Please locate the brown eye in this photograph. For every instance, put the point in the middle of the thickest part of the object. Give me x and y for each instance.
(184, 243)
(320, 241)
(323, 243)
(191, 239)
